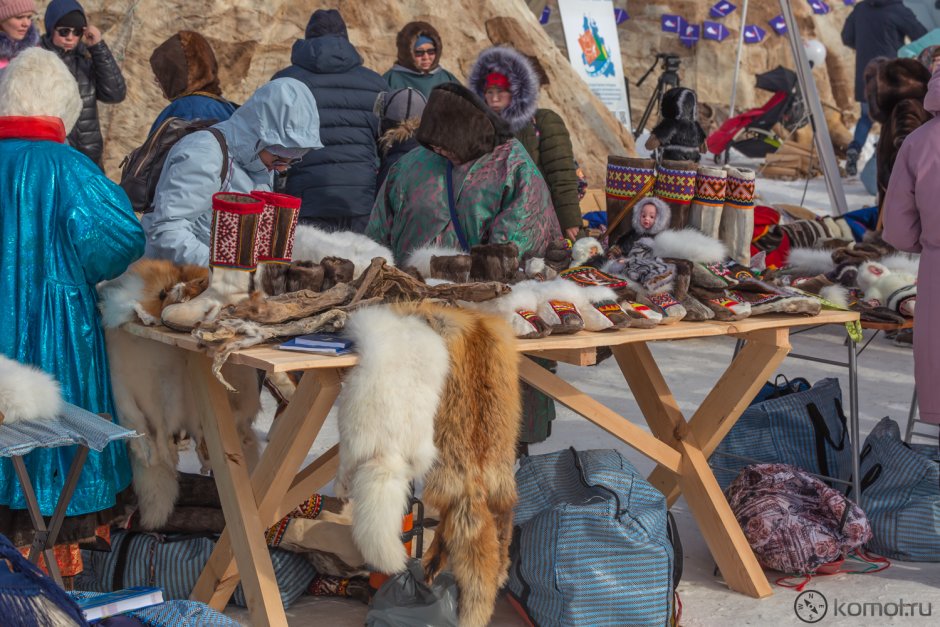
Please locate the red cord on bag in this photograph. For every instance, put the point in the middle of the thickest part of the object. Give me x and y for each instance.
(837, 568)
(677, 613)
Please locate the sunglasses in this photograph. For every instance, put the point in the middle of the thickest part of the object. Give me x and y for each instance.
(426, 53)
(66, 31)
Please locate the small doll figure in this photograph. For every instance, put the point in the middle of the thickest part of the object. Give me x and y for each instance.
(651, 216)
(678, 136)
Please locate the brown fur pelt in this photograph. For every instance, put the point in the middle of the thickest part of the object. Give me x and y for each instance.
(455, 268)
(337, 270)
(472, 483)
(165, 283)
(906, 116)
(494, 262)
(283, 278)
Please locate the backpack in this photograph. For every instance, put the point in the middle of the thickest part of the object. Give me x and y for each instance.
(140, 170)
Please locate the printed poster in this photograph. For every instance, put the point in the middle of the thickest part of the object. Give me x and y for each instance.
(594, 51)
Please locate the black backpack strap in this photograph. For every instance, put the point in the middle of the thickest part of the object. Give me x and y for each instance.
(224, 145)
(672, 531)
(120, 560)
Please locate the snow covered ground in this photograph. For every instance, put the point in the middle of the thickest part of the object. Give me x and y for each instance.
(691, 368)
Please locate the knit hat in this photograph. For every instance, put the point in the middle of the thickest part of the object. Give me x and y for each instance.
(326, 22)
(495, 79)
(403, 104)
(73, 19)
(11, 8)
(422, 40)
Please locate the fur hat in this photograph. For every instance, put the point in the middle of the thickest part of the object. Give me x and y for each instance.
(894, 81)
(185, 63)
(11, 8)
(457, 120)
(37, 83)
(326, 22)
(523, 82)
(405, 43)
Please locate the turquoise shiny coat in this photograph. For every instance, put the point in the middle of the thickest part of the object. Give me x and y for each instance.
(64, 228)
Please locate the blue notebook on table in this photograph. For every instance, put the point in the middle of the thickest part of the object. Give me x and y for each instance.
(320, 343)
(112, 603)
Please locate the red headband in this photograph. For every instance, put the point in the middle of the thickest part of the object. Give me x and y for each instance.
(495, 79)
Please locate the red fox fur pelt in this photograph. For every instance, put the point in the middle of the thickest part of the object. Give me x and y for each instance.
(476, 420)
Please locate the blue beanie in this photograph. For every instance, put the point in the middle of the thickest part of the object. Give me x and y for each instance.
(423, 39)
(58, 9)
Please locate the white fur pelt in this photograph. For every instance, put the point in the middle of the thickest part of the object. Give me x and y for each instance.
(836, 294)
(525, 296)
(902, 263)
(37, 82)
(27, 393)
(313, 244)
(386, 425)
(689, 244)
(420, 258)
(809, 261)
(153, 395)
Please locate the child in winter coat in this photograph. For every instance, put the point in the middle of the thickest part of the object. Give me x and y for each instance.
(678, 136)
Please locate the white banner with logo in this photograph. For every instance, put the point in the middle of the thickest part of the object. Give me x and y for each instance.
(594, 51)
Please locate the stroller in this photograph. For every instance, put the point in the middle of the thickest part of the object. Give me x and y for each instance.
(751, 133)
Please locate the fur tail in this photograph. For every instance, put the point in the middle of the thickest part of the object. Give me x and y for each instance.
(379, 491)
(156, 487)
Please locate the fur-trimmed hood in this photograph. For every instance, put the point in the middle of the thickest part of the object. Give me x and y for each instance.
(663, 216)
(405, 42)
(523, 83)
(9, 48)
(38, 83)
(680, 103)
(185, 63)
(27, 393)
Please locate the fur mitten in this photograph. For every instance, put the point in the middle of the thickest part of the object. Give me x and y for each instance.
(494, 262)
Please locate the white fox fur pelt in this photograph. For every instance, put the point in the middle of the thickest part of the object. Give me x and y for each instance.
(27, 393)
(386, 425)
(152, 385)
(902, 263)
(809, 261)
(523, 297)
(689, 244)
(313, 244)
(420, 258)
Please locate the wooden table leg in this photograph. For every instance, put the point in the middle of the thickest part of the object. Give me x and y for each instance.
(711, 511)
(757, 361)
(230, 470)
(275, 474)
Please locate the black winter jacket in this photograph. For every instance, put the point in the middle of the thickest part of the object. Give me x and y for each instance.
(339, 179)
(99, 78)
(877, 28)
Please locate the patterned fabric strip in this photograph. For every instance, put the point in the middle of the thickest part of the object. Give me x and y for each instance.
(309, 509)
(625, 182)
(710, 190)
(677, 186)
(588, 276)
(741, 193)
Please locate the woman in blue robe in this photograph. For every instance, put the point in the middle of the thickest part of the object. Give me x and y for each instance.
(64, 227)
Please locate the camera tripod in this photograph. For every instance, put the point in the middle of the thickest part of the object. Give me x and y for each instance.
(667, 80)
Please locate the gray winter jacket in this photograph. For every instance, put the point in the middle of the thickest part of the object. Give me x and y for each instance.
(282, 112)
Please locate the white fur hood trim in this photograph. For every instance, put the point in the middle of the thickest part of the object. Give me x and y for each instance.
(810, 261)
(689, 244)
(313, 244)
(420, 258)
(118, 299)
(27, 393)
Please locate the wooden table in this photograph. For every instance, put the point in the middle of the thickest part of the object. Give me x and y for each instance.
(680, 447)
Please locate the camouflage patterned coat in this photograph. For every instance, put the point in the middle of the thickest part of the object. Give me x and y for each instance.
(500, 197)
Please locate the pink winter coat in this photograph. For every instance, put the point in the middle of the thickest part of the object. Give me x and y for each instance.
(912, 224)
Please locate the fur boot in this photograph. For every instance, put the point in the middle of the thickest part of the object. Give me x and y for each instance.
(737, 217)
(386, 426)
(276, 229)
(494, 262)
(233, 258)
(708, 204)
(675, 184)
(519, 308)
(626, 177)
(472, 484)
(895, 290)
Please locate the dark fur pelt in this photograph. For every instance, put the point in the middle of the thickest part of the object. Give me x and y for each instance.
(455, 268)
(906, 117)
(300, 275)
(336, 270)
(523, 83)
(679, 133)
(494, 262)
(457, 120)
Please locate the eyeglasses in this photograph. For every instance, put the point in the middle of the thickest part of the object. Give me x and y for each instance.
(430, 52)
(66, 31)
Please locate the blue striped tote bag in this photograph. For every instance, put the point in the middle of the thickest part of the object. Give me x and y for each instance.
(806, 429)
(591, 545)
(901, 489)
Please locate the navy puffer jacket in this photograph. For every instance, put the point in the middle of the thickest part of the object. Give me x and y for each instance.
(339, 180)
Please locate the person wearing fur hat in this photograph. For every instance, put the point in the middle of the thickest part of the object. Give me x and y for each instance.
(508, 82)
(470, 182)
(17, 29)
(419, 60)
(337, 183)
(64, 227)
(187, 71)
(401, 114)
(912, 224)
(80, 46)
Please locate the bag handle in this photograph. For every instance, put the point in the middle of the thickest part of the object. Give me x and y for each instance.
(577, 464)
(822, 435)
(672, 531)
(458, 229)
